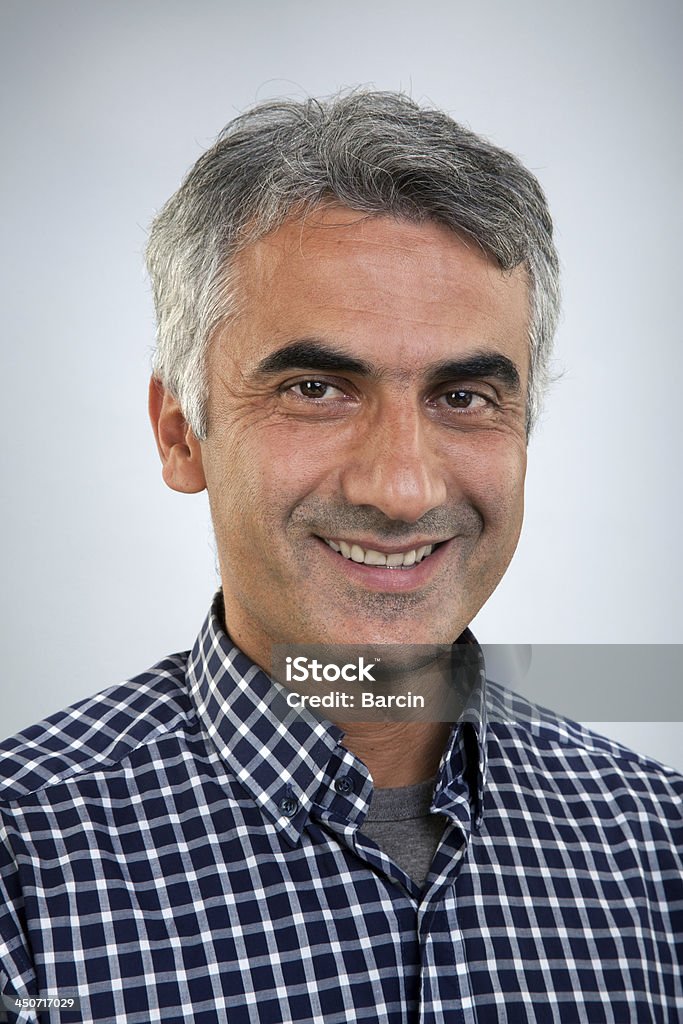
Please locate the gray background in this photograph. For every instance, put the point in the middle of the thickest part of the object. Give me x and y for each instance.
(106, 105)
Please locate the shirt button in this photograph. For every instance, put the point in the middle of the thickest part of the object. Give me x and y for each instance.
(289, 806)
(344, 785)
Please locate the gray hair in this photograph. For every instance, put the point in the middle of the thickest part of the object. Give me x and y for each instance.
(375, 152)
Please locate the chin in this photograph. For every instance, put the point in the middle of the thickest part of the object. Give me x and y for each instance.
(421, 631)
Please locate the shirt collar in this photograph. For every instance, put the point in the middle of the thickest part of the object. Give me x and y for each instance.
(467, 749)
(283, 758)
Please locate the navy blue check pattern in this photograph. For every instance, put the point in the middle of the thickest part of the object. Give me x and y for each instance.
(171, 851)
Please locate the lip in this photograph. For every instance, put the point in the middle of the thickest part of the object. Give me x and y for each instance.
(380, 579)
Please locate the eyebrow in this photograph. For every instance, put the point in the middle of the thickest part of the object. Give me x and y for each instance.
(312, 354)
(481, 364)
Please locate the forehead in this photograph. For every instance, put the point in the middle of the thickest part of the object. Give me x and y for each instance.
(404, 289)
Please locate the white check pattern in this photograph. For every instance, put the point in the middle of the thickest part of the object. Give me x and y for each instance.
(171, 851)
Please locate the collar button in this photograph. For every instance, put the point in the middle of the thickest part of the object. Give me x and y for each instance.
(344, 785)
(289, 806)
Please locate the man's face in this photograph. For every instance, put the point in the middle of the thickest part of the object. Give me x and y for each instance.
(368, 401)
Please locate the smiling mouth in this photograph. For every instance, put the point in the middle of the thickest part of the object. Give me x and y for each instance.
(368, 556)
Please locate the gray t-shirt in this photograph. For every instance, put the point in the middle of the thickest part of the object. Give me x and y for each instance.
(400, 823)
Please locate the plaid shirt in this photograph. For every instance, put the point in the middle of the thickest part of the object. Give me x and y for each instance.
(170, 852)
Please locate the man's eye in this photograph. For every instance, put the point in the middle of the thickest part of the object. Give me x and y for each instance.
(315, 389)
(463, 399)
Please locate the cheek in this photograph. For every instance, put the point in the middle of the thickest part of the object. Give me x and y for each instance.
(290, 460)
(256, 477)
(496, 486)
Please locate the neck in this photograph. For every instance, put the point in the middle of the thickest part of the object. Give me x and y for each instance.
(398, 753)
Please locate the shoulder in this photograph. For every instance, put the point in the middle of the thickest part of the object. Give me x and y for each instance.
(556, 754)
(95, 733)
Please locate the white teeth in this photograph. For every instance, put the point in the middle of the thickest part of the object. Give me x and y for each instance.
(398, 560)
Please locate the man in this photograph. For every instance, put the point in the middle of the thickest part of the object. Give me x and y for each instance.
(356, 302)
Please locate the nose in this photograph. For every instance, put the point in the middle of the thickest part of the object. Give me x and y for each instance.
(395, 468)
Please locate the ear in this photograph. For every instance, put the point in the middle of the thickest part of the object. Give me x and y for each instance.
(179, 449)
